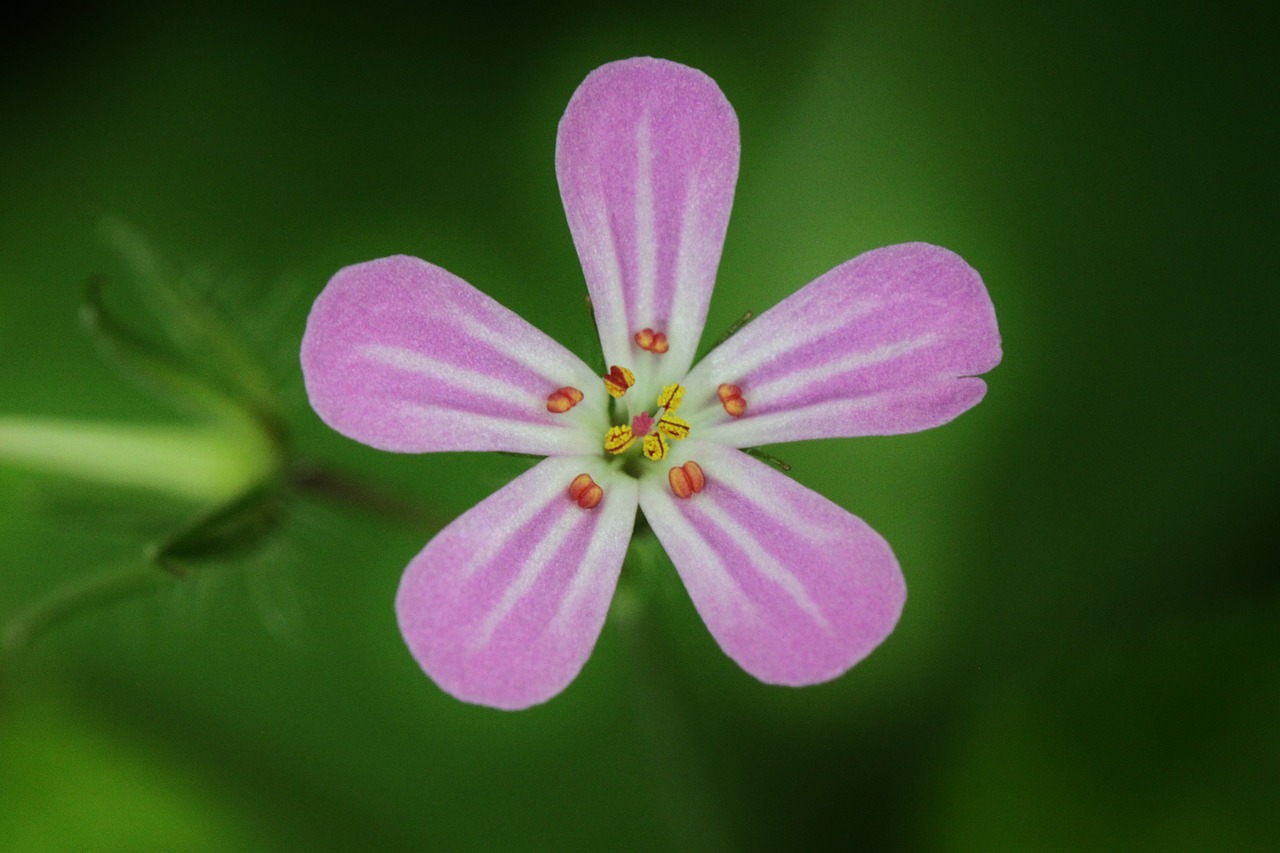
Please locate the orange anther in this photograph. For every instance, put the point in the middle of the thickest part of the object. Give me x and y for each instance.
(591, 496)
(563, 400)
(679, 480)
(697, 480)
(655, 342)
(585, 491)
(687, 480)
(731, 398)
(579, 485)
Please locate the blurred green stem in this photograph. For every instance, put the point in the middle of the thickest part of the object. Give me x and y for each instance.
(686, 795)
(204, 463)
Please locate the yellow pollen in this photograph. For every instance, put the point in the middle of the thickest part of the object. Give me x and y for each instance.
(618, 438)
(618, 380)
(655, 446)
(673, 427)
(671, 397)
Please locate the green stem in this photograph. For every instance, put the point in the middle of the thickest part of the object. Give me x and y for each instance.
(684, 785)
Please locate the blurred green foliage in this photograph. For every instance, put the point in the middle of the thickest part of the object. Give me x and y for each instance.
(1087, 659)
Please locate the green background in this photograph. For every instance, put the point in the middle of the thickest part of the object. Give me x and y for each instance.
(1088, 657)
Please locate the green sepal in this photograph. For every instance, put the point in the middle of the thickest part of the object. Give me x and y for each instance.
(767, 458)
(747, 317)
(223, 531)
(148, 362)
(187, 322)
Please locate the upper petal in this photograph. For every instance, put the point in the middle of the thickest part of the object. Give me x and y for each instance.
(504, 605)
(792, 587)
(647, 159)
(403, 355)
(886, 343)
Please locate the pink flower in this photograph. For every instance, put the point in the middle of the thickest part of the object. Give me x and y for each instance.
(503, 607)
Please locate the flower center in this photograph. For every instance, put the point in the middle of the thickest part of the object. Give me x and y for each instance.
(656, 430)
(652, 431)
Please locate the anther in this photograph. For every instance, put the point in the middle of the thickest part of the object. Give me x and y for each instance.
(618, 438)
(585, 491)
(655, 342)
(618, 380)
(731, 398)
(686, 480)
(673, 427)
(655, 446)
(671, 397)
(697, 480)
(563, 400)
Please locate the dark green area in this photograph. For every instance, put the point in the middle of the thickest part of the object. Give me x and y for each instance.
(1088, 656)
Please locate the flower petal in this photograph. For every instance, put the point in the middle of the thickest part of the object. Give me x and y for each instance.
(792, 587)
(886, 343)
(647, 159)
(403, 355)
(503, 607)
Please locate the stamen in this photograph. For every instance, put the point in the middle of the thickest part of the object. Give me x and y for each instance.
(591, 498)
(731, 398)
(618, 438)
(655, 446)
(671, 397)
(563, 400)
(654, 342)
(585, 491)
(618, 380)
(673, 427)
(686, 480)
(697, 480)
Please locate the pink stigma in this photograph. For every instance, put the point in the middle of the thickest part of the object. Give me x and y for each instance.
(641, 424)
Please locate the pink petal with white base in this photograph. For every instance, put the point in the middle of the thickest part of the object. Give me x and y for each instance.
(503, 607)
(889, 342)
(647, 159)
(792, 587)
(403, 355)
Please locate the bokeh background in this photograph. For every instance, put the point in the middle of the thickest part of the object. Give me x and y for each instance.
(1088, 657)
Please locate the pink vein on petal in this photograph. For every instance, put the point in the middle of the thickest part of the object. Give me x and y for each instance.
(403, 355)
(888, 342)
(647, 159)
(505, 613)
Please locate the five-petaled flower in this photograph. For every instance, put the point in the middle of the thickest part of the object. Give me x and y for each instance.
(503, 606)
